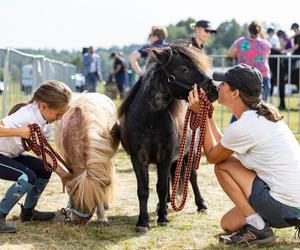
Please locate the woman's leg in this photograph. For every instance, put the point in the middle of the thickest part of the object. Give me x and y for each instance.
(236, 181)
(233, 220)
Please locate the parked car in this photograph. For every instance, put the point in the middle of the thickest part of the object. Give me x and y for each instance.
(1, 87)
(26, 78)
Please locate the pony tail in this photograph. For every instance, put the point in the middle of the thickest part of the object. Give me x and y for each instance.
(16, 107)
(268, 111)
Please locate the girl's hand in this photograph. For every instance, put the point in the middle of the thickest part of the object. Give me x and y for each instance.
(194, 102)
(24, 132)
(67, 181)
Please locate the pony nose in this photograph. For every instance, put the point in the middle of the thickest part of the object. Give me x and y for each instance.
(216, 84)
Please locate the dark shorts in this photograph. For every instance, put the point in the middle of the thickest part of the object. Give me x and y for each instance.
(272, 211)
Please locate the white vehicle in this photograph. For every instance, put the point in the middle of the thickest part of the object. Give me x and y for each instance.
(79, 82)
(27, 78)
(1, 87)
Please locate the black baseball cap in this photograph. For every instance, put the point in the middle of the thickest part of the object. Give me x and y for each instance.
(295, 26)
(243, 77)
(204, 24)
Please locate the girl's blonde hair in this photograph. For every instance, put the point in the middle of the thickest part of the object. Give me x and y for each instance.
(54, 93)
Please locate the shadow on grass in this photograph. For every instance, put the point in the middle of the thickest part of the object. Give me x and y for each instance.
(59, 234)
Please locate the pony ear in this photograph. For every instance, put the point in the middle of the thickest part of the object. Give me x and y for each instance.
(162, 56)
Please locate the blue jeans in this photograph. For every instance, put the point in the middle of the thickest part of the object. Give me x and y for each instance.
(267, 88)
(91, 82)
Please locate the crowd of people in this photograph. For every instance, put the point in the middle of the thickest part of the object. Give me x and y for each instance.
(253, 50)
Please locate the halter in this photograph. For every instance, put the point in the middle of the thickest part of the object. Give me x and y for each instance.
(175, 84)
(85, 217)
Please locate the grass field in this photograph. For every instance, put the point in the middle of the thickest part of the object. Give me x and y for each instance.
(187, 230)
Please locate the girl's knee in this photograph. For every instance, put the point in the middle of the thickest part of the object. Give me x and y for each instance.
(30, 177)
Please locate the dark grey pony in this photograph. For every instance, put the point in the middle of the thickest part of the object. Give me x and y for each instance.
(152, 117)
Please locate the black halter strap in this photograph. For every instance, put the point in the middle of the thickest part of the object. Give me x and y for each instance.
(178, 87)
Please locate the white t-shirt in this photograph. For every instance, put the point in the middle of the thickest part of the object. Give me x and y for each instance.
(271, 150)
(12, 146)
(274, 41)
(93, 65)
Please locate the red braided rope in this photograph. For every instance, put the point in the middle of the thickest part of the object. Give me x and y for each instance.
(40, 146)
(196, 121)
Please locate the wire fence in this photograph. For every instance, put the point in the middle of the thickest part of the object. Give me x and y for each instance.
(22, 73)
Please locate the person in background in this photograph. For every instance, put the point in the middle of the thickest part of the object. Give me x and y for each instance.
(263, 180)
(285, 47)
(275, 50)
(273, 39)
(157, 38)
(296, 47)
(91, 69)
(48, 103)
(203, 31)
(285, 41)
(254, 51)
(120, 72)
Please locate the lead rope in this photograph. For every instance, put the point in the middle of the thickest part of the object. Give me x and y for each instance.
(196, 121)
(40, 146)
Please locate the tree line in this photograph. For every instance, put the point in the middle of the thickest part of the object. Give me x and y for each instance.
(227, 32)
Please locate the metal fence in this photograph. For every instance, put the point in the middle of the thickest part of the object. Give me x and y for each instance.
(21, 74)
(286, 87)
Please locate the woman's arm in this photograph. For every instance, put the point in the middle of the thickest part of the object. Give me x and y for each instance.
(215, 130)
(133, 59)
(213, 150)
(23, 132)
(118, 68)
(232, 52)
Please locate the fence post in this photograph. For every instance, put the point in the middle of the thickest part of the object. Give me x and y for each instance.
(5, 82)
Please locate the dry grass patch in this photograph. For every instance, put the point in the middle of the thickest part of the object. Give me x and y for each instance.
(187, 230)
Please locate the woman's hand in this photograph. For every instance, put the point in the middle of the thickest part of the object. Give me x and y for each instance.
(194, 102)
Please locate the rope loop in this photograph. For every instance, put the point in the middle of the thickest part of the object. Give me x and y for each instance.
(41, 147)
(195, 121)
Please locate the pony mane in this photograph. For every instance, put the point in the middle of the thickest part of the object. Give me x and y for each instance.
(129, 98)
(198, 57)
(89, 149)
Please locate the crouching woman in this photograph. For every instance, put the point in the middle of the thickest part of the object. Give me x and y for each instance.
(263, 181)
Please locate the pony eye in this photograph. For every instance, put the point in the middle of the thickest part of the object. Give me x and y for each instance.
(184, 69)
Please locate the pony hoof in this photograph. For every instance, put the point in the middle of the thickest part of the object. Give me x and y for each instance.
(162, 223)
(102, 220)
(202, 211)
(142, 230)
(106, 206)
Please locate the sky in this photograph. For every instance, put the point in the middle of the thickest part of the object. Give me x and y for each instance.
(73, 24)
